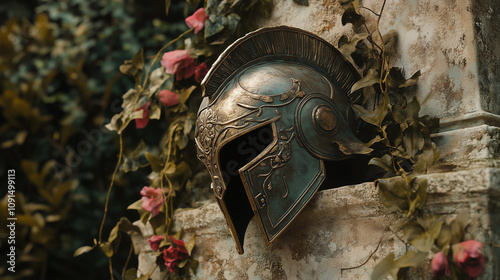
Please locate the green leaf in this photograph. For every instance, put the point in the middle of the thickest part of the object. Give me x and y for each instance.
(424, 242)
(114, 233)
(135, 67)
(136, 205)
(82, 250)
(126, 226)
(411, 81)
(383, 268)
(157, 79)
(158, 220)
(413, 141)
(185, 94)
(351, 16)
(390, 40)
(410, 259)
(170, 168)
(116, 123)
(155, 162)
(390, 197)
(395, 78)
(190, 244)
(385, 162)
(397, 185)
(418, 201)
(138, 60)
(411, 111)
(428, 157)
(412, 230)
(145, 216)
(178, 234)
(232, 22)
(107, 248)
(372, 77)
(213, 26)
(458, 226)
(348, 48)
(444, 239)
(183, 263)
(144, 277)
(342, 41)
(374, 140)
(167, 6)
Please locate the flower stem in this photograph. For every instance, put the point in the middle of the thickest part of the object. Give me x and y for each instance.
(110, 188)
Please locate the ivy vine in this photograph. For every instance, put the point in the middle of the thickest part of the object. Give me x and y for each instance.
(405, 149)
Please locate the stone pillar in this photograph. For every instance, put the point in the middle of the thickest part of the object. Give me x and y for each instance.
(344, 232)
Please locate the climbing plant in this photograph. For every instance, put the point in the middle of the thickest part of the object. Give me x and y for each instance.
(59, 83)
(405, 151)
(166, 94)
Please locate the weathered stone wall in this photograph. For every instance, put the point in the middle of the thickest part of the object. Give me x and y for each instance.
(341, 234)
(456, 46)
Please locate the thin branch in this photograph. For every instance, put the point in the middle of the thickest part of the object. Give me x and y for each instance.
(110, 269)
(370, 37)
(110, 188)
(369, 257)
(382, 78)
(124, 270)
(493, 244)
(378, 15)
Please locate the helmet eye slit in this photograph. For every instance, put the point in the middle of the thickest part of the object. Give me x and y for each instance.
(242, 150)
(232, 157)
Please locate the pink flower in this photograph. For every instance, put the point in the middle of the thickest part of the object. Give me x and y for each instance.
(178, 62)
(168, 98)
(154, 241)
(199, 72)
(439, 265)
(152, 199)
(141, 123)
(174, 254)
(197, 20)
(469, 257)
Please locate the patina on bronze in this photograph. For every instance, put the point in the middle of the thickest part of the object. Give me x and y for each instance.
(276, 104)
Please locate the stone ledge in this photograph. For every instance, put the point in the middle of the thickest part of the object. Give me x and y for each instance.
(337, 232)
(467, 148)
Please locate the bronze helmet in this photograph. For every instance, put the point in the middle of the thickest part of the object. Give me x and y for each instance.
(276, 104)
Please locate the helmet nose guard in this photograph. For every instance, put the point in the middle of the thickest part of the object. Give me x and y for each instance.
(275, 103)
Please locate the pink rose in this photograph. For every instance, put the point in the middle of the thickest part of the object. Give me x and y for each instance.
(154, 241)
(199, 72)
(152, 199)
(439, 265)
(174, 254)
(141, 123)
(178, 62)
(197, 20)
(168, 98)
(469, 257)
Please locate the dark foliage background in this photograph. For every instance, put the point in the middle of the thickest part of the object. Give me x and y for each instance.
(59, 84)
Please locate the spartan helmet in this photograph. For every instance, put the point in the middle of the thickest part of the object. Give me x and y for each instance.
(276, 105)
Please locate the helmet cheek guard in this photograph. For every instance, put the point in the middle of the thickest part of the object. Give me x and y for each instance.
(276, 106)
